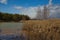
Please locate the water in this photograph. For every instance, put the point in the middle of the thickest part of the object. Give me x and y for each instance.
(11, 25)
(11, 31)
(12, 37)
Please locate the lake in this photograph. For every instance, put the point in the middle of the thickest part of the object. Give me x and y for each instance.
(11, 31)
(10, 27)
(12, 37)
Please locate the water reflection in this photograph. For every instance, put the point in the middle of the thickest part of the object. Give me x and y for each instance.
(7, 28)
(12, 37)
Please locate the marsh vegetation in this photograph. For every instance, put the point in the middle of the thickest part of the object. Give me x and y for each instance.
(42, 29)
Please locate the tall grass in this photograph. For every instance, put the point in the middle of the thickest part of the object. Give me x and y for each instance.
(42, 29)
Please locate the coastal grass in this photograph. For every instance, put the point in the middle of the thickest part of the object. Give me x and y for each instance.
(42, 29)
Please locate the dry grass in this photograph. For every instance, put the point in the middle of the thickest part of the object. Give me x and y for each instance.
(42, 29)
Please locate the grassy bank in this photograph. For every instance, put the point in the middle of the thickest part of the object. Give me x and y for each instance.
(42, 29)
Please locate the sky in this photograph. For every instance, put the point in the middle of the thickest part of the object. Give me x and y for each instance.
(27, 7)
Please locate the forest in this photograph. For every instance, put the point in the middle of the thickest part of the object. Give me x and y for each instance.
(7, 17)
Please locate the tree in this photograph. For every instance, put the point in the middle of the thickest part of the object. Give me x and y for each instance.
(46, 12)
(7, 17)
(0, 16)
(39, 13)
(25, 17)
(16, 17)
(12, 17)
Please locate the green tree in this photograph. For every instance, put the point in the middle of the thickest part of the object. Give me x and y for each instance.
(12, 17)
(0, 16)
(16, 17)
(25, 17)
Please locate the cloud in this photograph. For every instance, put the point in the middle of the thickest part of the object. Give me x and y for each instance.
(3, 1)
(30, 11)
(55, 11)
(50, 2)
(18, 7)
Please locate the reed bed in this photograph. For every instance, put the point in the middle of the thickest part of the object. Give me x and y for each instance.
(42, 29)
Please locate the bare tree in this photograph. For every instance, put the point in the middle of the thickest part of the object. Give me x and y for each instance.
(46, 12)
(42, 14)
(39, 14)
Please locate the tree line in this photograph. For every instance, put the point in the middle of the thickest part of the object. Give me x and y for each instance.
(6, 17)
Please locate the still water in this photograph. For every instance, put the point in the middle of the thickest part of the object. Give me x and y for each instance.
(11, 25)
(11, 31)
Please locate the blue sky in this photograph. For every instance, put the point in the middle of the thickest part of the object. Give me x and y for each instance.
(15, 6)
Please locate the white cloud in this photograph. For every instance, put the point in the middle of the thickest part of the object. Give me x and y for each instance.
(18, 7)
(3, 1)
(50, 2)
(55, 11)
(30, 11)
